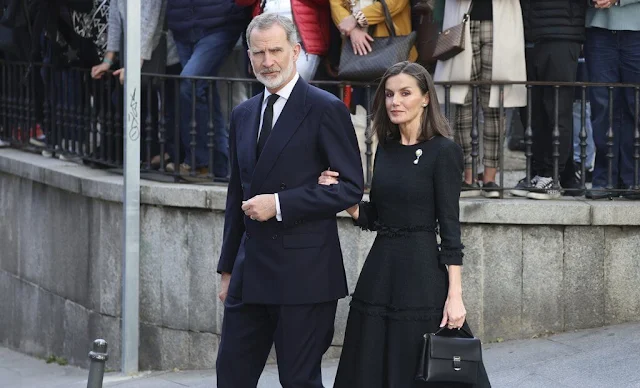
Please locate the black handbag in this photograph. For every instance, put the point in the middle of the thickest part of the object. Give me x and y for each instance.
(448, 359)
(385, 52)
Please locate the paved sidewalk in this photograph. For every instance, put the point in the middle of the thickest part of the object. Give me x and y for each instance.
(598, 358)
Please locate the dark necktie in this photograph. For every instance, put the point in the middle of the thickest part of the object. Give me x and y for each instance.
(267, 122)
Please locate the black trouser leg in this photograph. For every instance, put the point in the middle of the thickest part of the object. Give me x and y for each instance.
(552, 62)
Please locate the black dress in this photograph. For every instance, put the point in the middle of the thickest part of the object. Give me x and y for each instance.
(403, 285)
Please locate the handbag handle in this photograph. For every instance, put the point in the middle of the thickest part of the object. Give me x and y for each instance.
(462, 329)
(387, 18)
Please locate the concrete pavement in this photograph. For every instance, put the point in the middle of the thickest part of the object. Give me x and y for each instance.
(594, 358)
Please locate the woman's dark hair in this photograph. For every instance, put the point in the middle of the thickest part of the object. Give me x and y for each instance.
(433, 121)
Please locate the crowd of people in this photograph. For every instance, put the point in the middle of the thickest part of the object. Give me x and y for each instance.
(506, 41)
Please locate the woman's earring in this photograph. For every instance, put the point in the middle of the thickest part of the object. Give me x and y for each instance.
(424, 105)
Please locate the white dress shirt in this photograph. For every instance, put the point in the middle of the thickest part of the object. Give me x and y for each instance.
(278, 106)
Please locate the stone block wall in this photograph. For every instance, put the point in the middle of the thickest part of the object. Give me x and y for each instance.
(531, 268)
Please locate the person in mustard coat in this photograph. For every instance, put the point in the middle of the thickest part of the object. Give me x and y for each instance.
(354, 18)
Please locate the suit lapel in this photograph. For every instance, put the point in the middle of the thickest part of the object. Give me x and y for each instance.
(248, 142)
(288, 123)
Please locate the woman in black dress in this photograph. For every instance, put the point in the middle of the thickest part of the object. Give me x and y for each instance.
(409, 284)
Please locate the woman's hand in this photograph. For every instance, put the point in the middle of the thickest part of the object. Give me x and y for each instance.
(360, 41)
(98, 70)
(454, 312)
(354, 211)
(604, 3)
(347, 25)
(328, 178)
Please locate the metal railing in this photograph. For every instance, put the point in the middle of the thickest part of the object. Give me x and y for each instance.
(66, 113)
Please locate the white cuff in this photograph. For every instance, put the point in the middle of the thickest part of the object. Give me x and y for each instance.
(278, 212)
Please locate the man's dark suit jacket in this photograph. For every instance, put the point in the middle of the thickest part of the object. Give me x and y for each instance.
(298, 260)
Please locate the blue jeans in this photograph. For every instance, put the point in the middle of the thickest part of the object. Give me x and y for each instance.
(204, 58)
(577, 124)
(613, 56)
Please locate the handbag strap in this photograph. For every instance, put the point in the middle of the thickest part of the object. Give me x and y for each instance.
(387, 18)
(467, 15)
(462, 329)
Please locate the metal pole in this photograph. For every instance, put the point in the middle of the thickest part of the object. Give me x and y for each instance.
(98, 357)
(131, 232)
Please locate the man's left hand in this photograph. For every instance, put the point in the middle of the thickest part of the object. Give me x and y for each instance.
(260, 208)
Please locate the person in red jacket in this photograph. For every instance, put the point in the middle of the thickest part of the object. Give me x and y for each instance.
(311, 17)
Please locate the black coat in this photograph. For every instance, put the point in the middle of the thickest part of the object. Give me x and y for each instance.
(297, 260)
(554, 20)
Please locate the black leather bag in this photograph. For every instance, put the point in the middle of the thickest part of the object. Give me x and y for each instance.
(448, 359)
(385, 52)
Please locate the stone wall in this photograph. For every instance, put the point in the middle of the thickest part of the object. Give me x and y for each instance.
(530, 267)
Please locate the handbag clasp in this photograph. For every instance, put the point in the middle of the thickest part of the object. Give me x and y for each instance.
(456, 363)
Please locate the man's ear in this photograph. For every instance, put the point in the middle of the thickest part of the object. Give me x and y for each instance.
(296, 51)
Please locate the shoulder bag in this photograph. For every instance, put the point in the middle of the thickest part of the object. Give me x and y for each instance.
(451, 41)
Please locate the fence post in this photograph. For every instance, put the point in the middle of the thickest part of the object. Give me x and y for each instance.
(98, 357)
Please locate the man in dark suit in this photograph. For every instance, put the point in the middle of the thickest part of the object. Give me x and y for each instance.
(281, 262)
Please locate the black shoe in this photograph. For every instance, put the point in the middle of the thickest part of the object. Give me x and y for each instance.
(631, 194)
(545, 189)
(522, 188)
(491, 190)
(572, 188)
(470, 190)
(600, 193)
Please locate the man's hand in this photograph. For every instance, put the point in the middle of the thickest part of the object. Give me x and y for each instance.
(260, 208)
(224, 286)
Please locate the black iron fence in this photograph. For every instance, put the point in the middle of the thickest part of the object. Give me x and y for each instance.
(65, 113)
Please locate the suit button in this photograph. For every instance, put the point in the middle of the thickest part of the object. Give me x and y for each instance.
(275, 236)
(282, 186)
(297, 223)
(248, 235)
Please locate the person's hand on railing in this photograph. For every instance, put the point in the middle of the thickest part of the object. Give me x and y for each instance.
(99, 70)
(120, 74)
(360, 41)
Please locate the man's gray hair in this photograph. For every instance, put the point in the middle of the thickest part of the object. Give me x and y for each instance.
(266, 20)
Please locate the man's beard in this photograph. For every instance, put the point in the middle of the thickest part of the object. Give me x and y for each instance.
(277, 82)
